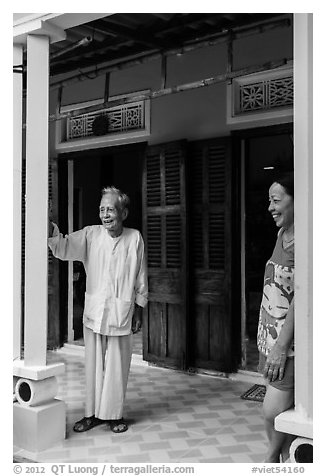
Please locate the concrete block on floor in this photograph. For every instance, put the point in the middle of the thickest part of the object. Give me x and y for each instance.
(38, 428)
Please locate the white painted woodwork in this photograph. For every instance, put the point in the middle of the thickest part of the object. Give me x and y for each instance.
(36, 262)
(299, 420)
(303, 213)
(37, 372)
(17, 187)
(70, 263)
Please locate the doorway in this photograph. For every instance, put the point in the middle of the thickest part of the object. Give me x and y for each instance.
(265, 156)
(88, 173)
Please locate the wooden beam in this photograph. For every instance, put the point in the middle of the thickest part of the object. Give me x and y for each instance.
(146, 37)
(108, 47)
(59, 100)
(107, 87)
(173, 90)
(163, 72)
(141, 58)
(152, 55)
(83, 42)
(230, 54)
(87, 30)
(164, 16)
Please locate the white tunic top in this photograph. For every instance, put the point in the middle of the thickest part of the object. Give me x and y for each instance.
(116, 275)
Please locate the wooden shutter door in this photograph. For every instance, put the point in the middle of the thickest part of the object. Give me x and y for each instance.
(164, 229)
(210, 254)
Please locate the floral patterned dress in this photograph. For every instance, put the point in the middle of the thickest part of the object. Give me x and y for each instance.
(278, 293)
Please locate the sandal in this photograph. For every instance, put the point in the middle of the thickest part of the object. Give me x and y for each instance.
(86, 423)
(118, 426)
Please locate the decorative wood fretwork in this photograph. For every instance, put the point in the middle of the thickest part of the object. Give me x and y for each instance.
(266, 94)
(263, 97)
(124, 118)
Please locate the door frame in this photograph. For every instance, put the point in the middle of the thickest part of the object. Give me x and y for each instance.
(70, 311)
(66, 217)
(239, 140)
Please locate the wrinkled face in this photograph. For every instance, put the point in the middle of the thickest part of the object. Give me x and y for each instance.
(111, 214)
(281, 206)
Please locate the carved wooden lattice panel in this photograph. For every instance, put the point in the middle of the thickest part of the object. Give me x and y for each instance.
(121, 118)
(266, 94)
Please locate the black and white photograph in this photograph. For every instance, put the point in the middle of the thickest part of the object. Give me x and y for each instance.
(162, 245)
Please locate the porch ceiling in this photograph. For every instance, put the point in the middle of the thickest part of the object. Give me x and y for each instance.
(124, 36)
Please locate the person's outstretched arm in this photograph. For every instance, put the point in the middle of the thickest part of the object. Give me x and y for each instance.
(69, 247)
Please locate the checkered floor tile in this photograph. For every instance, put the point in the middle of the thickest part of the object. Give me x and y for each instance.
(173, 417)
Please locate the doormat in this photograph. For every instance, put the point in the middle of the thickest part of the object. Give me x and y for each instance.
(256, 393)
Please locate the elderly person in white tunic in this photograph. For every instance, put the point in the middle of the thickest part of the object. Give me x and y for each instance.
(116, 290)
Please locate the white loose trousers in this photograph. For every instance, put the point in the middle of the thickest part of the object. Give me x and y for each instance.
(107, 365)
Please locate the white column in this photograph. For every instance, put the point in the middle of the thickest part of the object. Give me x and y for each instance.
(303, 153)
(299, 420)
(17, 185)
(36, 250)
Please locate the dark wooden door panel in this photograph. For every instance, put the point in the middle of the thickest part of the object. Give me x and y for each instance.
(155, 326)
(210, 254)
(164, 331)
(188, 240)
(165, 234)
(211, 336)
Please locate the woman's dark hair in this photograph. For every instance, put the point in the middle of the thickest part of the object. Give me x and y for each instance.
(287, 182)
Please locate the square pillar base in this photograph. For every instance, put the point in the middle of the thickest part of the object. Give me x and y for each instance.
(40, 427)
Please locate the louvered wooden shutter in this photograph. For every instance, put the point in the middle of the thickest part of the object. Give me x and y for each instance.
(210, 253)
(164, 215)
(207, 186)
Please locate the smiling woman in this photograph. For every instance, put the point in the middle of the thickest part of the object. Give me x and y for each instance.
(276, 319)
(282, 207)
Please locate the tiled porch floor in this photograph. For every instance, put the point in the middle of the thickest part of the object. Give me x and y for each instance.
(173, 417)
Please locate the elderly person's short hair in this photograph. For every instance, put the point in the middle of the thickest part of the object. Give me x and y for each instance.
(123, 198)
